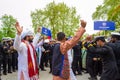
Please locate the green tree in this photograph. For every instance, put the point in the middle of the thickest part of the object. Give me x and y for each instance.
(1, 34)
(57, 17)
(109, 10)
(7, 26)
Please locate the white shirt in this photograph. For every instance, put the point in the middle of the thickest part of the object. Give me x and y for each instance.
(72, 76)
(22, 55)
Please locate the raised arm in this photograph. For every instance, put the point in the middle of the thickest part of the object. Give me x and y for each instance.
(65, 46)
(17, 41)
(36, 38)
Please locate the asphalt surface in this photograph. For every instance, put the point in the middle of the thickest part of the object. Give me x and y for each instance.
(44, 75)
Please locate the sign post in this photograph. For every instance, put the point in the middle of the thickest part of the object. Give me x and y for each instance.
(104, 25)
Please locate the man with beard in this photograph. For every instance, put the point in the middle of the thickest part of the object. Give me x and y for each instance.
(25, 45)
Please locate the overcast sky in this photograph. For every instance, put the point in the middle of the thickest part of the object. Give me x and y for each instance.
(21, 9)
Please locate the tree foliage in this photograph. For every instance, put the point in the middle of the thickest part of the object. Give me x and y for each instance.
(57, 17)
(1, 34)
(109, 10)
(7, 26)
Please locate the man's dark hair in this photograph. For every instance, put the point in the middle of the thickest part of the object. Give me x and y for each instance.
(103, 40)
(100, 38)
(117, 37)
(60, 36)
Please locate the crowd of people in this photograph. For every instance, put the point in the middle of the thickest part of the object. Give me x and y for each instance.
(8, 56)
(66, 57)
(103, 57)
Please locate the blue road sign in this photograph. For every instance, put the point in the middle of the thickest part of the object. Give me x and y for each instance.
(46, 31)
(104, 25)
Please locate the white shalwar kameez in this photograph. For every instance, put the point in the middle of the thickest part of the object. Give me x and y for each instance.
(22, 56)
(72, 76)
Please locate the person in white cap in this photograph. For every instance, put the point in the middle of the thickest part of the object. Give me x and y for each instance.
(25, 45)
(115, 45)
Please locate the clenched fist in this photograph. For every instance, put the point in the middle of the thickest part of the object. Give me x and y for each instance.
(83, 23)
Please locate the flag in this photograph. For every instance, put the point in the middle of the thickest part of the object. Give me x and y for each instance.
(46, 32)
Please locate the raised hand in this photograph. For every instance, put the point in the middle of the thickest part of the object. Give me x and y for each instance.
(83, 23)
(18, 28)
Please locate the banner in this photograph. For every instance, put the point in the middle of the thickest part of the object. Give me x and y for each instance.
(104, 25)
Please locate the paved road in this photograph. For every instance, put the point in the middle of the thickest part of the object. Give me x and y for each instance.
(44, 75)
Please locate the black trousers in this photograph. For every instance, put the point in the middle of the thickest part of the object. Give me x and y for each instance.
(0, 65)
(50, 62)
(5, 62)
(14, 61)
(98, 67)
(77, 64)
(10, 63)
(46, 59)
(42, 61)
(118, 65)
(91, 67)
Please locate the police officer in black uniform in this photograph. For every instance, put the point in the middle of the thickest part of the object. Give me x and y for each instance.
(10, 48)
(115, 45)
(90, 63)
(13, 55)
(5, 56)
(1, 57)
(110, 70)
(77, 60)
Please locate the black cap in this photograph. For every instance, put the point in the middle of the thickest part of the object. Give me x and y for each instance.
(102, 38)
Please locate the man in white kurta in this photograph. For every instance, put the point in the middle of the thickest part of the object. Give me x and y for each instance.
(23, 54)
